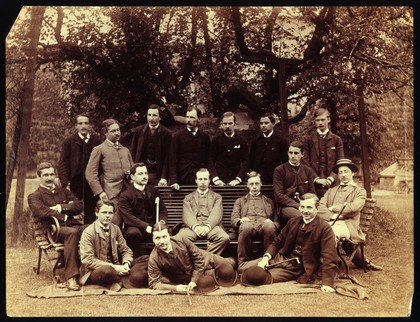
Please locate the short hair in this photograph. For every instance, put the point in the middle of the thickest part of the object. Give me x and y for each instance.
(320, 111)
(310, 195)
(229, 114)
(107, 123)
(82, 115)
(194, 108)
(270, 117)
(101, 202)
(43, 165)
(133, 169)
(155, 107)
(297, 144)
(252, 174)
(202, 170)
(160, 226)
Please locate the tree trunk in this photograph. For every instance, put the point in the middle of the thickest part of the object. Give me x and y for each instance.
(37, 14)
(284, 113)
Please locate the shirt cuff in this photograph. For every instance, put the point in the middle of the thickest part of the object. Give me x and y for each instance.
(215, 179)
(331, 179)
(239, 179)
(268, 255)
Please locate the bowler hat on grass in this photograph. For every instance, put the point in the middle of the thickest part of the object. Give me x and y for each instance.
(225, 275)
(345, 163)
(205, 284)
(138, 278)
(255, 276)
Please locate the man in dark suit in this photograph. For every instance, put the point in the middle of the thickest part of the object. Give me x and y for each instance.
(322, 149)
(202, 215)
(151, 145)
(74, 158)
(291, 180)
(229, 154)
(189, 151)
(137, 207)
(268, 149)
(109, 166)
(52, 201)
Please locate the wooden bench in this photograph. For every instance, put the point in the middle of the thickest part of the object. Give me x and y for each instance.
(173, 200)
(45, 232)
(366, 215)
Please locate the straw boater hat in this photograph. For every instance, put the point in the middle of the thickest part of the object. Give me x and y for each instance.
(225, 275)
(255, 276)
(346, 163)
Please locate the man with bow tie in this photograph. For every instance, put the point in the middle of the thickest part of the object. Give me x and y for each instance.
(349, 199)
(322, 149)
(189, 151)
(253, 216)
(291, 180)
(109, 166)
(202, 215)
(50, 200)
(228, 156)
(75, 153)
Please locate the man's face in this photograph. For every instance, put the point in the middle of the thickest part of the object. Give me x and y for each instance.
(192, 119)
(266, 125)
(308, 208)
(141, 176)
(105, 214)
(345, 174)
(254, 185)
(153, 117)
(228, 124)
(161, 239)
(322, 121)
(202, 180)
(113, 134)
(83, 125)
(295, 155)
(47, 177)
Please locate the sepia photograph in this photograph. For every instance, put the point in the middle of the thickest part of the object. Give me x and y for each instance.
(209, 161)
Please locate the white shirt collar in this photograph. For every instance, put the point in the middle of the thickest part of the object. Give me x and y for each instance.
(83, 137)
(230, 136)
(154, 128)
(269, 134)
(322, 133)
(351, 183)
(251, 194)
(112, 143)
(293, 164)
(138, 186)
(309, 221)
(201, 192)
(52, 188)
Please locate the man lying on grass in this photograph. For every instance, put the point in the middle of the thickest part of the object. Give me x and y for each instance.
(304, 246)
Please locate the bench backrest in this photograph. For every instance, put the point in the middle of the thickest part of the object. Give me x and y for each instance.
(173, 200)
(366, 214)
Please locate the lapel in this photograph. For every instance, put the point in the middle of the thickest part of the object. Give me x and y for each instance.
(99, 230)
(315, 142)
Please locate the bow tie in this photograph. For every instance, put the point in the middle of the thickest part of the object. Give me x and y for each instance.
(203, 195)
(105, 229)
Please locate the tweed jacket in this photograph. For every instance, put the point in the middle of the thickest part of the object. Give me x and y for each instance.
(228, 157)
(318, 243)
(287, 181)
(267, 153)
(115, 164)
(335, 152)
(129, 207)
(93, 249)
(42, 199)
(190, 210)
(74, 158)
(163, 142)
(240, 210)
(355, 198)
(188, 154)
(187, 263)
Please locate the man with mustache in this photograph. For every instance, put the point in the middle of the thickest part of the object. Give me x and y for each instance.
(109, 166)
(189, 151)
(74, 158)
(52, 201)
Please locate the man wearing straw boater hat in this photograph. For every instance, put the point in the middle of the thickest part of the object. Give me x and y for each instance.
(177, 264)
(342, 204)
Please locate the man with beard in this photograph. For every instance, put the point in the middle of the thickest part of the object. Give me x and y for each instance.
(109, 166)
(189, 151)
(228, 158)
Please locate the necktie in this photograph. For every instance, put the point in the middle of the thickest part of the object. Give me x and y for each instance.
(106, 230)
(152, 131)
(86, 139)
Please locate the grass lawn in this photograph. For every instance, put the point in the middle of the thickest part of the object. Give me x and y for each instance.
(390, 245)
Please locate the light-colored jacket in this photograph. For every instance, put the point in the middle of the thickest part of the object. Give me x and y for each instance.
(93, 249)
(114, 163)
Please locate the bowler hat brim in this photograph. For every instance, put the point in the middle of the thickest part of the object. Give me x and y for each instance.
(268, 279)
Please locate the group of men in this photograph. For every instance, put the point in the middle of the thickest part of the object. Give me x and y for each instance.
(122, 208)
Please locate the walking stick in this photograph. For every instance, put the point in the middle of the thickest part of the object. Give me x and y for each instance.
(344, 206)
(284, 261)
(189, 296)
(157, 211)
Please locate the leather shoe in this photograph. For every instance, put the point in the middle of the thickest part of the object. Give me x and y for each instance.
(72, 284)
(116, 287)
(372, 267)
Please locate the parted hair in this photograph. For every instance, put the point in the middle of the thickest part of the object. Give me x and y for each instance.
(135, 166)
(101, 202)
(107, 123)
(310, 195)
(270, 117)
(193, 108)
(43, 165)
